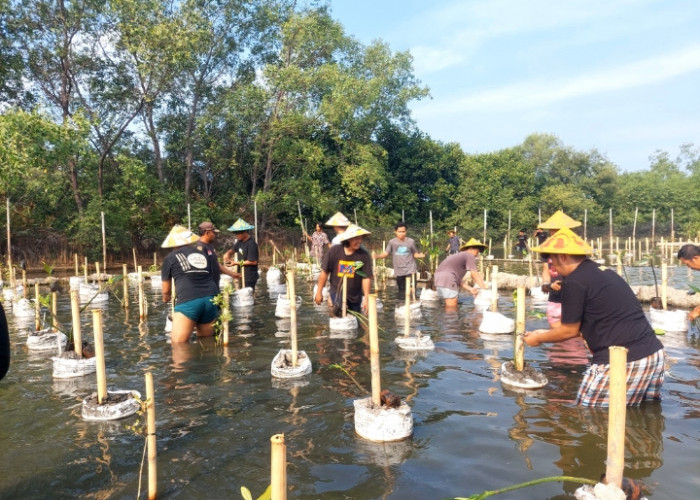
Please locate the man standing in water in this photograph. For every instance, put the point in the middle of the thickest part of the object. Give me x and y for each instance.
(601, 305)
(349, 260)
(689, 255)
(405, 252)
(246, 249)
(451, 272)
(207, 237)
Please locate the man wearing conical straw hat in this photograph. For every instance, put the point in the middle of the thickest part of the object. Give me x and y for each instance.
(348, 259)
(450, 274)
(339, 223)
(551, 281)
(196, 284)
(246, 251)
(601, 305)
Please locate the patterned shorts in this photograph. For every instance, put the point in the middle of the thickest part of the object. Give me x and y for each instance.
(644, 379)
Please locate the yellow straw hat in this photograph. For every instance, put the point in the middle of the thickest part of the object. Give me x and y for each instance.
(558, 221)
(472, 243)
(338, 220)
(179, 236)
(564, 241)
(352, 231)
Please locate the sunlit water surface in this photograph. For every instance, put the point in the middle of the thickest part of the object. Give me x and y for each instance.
(218, 407)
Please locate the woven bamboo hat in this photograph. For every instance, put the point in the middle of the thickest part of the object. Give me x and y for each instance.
(352, 231)
(472, 243)
(239, 226)
(179, 236)
(564, 241)
(338, 220)
(559, 220)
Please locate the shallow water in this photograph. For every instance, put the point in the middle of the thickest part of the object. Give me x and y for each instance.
(218, 407)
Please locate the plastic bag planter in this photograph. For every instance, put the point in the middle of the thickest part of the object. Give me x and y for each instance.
(243, 298)
(23, 308)
(382, 424)
(281, 366)
(495, 322)
(346, 323)
(119, 404)
(528, 378)
(670, 321)
(46, 340)
(429, 295)
(284, 307)
(69, 367)
(413, 309)
(415, 342)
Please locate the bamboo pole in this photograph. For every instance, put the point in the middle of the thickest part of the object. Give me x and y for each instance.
(54, 318)
(634, 234)
(85, 269)
(142, 296)
(303, 230)
(617, 411)
(125, 287)
(37, 308)
(75, 316)
(155, 259)
(77, 269)
(255, 221)
(97, 272)
(25, 284)
(413, 285)
(99, 355)
(407, 311)
(506, 245)
(345, 295)
(664, 284)
(374, 268)
(225, 324)
(374, 350)
(494, 289)
(9, 246)
(151, 437)
(485, 218)
(292, 316)
(278, 466)
(104, 243)
(136, 265)
(653, 227)
(519, 347)
(610, 242)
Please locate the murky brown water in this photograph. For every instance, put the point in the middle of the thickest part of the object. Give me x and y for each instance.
(217, 408)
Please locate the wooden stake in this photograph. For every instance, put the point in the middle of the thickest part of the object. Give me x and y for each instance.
(616, 416)
(37, 308)
(519, 348)
(155, 259)
(99, 355)
(85, 270)
(407, 311)
(97, 272)
(664, 284)
(25, 285)
(136, 266)
(345, 294)
(374, 349)
(226, 309)
(278, 466)
(292, 316)
(77, 269)
(125, 287)
(104, 245)
(54, 318)
(75, 315)
(142, 298)
(413, 285)
(151, 438)
(494, 289)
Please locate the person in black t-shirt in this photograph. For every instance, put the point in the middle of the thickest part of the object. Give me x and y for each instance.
(4, 344)
(600, 304)
(193, 272)
(244, 253)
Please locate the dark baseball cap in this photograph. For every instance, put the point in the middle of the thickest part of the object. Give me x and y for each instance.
(207, 226)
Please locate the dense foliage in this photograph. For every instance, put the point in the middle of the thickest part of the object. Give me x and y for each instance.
(137, 108)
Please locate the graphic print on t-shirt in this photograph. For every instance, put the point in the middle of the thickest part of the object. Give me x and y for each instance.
(346, 268)
(192, 261)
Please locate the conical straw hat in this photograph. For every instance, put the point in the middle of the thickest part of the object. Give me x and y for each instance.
(472, 243)
(179, 236)
(239, 226)
(564, 241)
(338, 220)
(352, 231)
(558, 221)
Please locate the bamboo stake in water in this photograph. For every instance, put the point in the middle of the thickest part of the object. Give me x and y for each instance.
(374, 350)
(664, 285)
(75, 316)
(104, 244)
(494, 289)
(77, 269)
(97, 272)
(136, 266)
(617, 413)
(54, 301)
(143, 312)
(278, 466)
(125, 287)
(413, 285)
(292, 316)
(25, 284)
(376, 281)
(151, 438)
(407, 310)
(9, 246)
(226, 308)
(99, 355)
(37, 308)
(634, 235)
(519, 348)
(155, 259)
(85, 270)
(345, 295)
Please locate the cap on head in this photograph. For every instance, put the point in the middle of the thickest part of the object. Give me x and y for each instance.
(472, 243)
(239, 226)
(338, 220)
(207, 226)
(179, 236)
(564, 241)
(559, 220)
(352, 231)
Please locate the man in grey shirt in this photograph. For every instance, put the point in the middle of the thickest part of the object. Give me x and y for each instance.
(404, 253)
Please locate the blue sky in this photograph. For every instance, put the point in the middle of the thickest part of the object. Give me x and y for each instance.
(620, 76)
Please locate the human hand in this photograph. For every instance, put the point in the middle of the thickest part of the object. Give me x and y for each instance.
(532, 338)
(318, 298)
(694, 314)
(556, 285)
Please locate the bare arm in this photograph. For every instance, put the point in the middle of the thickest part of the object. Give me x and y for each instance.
(560, 333)
(167, 288)
(366, 289)
(322, 278)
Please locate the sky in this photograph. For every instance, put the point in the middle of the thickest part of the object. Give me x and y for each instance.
(618, 76)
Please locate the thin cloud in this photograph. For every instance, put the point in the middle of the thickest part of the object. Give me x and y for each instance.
(537, 94)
